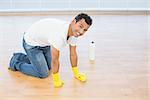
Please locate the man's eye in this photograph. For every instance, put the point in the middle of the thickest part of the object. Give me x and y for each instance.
(85, 30)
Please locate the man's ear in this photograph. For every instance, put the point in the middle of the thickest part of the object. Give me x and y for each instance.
(74, 21)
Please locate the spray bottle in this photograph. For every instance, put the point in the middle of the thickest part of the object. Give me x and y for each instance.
(92, 51)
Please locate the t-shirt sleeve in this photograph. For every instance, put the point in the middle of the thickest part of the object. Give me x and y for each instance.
(72, 41)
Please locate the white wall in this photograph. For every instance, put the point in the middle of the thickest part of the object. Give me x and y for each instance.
(17, 5)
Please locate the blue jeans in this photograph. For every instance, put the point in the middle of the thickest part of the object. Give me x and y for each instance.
(36, 63)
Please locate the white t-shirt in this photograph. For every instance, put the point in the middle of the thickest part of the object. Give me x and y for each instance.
(48, 32)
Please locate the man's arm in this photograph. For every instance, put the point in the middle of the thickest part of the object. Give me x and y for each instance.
(55, 68)
(73, 56)
(73, 59)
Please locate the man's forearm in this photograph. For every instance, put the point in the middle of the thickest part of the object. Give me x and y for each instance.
(73, 59)
(55, 66)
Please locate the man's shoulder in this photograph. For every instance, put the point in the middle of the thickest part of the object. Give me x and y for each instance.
(53, 20)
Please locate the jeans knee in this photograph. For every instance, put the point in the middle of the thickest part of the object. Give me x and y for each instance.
(44, 75)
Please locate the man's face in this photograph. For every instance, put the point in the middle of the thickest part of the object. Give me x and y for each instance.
(79, 28)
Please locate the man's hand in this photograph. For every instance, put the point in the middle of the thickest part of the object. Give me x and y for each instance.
(57, 82)
(79, 76)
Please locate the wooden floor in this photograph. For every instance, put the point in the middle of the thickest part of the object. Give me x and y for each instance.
(120, 71)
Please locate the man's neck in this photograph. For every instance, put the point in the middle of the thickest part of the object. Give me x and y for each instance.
(69, 32)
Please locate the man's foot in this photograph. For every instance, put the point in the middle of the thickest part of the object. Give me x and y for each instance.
(13, 62)
(16, 58)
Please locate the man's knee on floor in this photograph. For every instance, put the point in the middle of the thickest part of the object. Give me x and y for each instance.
(44, 75)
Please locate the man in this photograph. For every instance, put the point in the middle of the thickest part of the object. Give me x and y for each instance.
(42, 43)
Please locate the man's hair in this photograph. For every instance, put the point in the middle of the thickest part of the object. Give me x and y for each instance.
(87, 18)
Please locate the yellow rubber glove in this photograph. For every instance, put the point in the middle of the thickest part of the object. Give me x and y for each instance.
(57, 81)
(79, 76)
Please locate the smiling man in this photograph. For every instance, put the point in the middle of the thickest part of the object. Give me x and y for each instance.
(42, 43)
